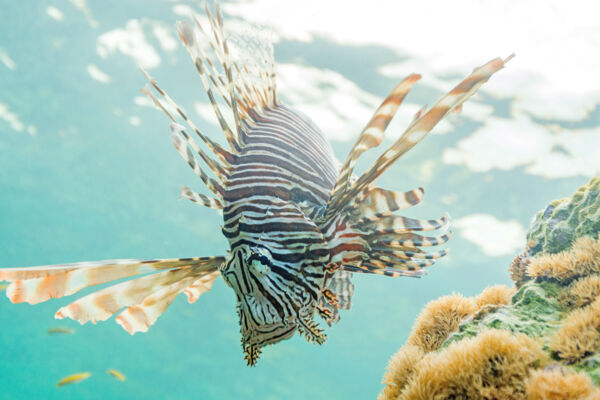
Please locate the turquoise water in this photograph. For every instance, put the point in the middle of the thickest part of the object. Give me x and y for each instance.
(81, 180)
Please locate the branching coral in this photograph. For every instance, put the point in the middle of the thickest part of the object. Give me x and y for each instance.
(555, 383)
(494, 296)
(582, 292)
(492, 365)
(579, 335)
(582, 259)
(399, 370)
(439, 319)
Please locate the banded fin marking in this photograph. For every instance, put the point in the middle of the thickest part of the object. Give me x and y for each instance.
(187, 36)
(407, 254)
(37, 284)
(220, 39)
(152, 293)
(402, 239)
(101, 305)
(377, 202)
(372, 134)
(423, 124)
(201, 199)
(216, 167)
(200, 286)
(188, 156)
(394, 223)
(224, 155)
(367, 268)
(343, 194)
(387, 259)
(139, 317)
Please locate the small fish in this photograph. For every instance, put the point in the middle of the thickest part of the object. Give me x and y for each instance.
(117, 374)
(59, 330)
(3, 286)
(75, 378)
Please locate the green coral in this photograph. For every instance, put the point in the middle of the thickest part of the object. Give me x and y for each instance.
(535, 311)
(556, 227)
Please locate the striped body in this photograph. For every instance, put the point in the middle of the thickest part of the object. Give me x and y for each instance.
(279, 181)
(298, 227)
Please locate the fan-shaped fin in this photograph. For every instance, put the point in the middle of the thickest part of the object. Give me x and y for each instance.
(151, 293)
(200, 286)
(37, 284)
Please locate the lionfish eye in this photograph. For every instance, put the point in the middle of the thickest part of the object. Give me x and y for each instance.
(259, 263)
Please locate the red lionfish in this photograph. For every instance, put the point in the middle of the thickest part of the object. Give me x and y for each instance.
(297, 225)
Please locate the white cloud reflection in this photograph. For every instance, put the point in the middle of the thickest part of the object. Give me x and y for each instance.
(6, 60)
(82, 6)
(550, 79)
(130, 41)
(545, 150)
(555, 41)
(163, 34)
(494, 237)
(14, 121)
(97, 74)
(336, 104)
(54, 13)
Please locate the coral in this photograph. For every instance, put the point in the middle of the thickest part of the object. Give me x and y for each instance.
(399, 370)
(579, 335)
(581, 293)
(563, 221)
(495, 346)
(582, 259)
(555, 383)
(493, 365)
(439, 319)
(534, 311)
(518, 267)
(494, 296)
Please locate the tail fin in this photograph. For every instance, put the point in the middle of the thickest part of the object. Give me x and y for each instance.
(145, 297)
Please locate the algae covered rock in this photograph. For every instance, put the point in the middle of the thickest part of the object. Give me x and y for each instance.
(534, 310)
(541, 337)
(562, 221)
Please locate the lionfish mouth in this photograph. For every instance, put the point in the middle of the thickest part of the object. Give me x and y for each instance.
(254, 340)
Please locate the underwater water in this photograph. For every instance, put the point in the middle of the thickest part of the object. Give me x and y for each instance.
(87, 172)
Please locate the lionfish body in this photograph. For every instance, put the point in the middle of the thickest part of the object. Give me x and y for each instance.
(297, 225)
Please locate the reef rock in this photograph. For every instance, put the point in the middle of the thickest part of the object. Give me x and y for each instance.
(556, 227)
(540, 339)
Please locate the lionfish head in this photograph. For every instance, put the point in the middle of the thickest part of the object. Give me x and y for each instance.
(272, 301)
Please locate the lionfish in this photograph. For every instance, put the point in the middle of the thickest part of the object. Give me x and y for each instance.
(298, 225)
